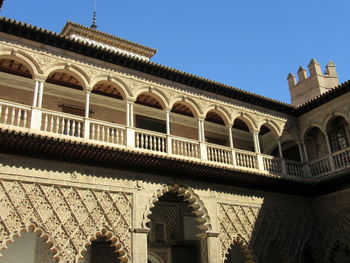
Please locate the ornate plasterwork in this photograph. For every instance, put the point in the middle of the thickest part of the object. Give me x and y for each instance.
(70, 218)
(198, 208)
(259, 227)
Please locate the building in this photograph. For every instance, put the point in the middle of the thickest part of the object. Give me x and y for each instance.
(107, 156)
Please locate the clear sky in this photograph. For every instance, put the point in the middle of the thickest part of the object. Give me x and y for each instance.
(249, 44)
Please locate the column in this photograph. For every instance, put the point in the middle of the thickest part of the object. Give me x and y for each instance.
(36, 114)
(35, 97)
(256, 141)
(230, 135)
(305, 153)
(301, 152)
(139, 241)
(201, 137)
(86, 116)
(130, 132)
(330, 156)
(169, 144)
(284, 167)
(213, 243)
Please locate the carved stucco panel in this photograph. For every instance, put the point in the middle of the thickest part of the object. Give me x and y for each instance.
(70, 217)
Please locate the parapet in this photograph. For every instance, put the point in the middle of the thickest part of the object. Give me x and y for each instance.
(309, 87)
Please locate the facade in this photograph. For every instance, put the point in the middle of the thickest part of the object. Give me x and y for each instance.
(107, 156)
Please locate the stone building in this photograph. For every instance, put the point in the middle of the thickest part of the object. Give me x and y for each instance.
(107, 156)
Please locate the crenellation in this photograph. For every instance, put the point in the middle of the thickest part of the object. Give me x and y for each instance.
(310, 87)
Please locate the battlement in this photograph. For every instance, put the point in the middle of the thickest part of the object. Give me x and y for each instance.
(317, 83)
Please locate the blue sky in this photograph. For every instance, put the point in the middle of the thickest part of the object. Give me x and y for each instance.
(249, 44)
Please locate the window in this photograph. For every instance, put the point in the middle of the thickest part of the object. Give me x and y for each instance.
(337, 139)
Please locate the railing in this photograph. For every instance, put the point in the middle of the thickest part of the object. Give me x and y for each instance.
(320, 166)
(294, 168)
(185, 147)
(107, 132)
(21, 116)
(219, 154)
(272, 164)
(62, 123)
(246, 159)
(14, 114)
(341, 159)
(151, 141)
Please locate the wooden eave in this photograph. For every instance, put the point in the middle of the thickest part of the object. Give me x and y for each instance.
(50, 38)
(61, 149)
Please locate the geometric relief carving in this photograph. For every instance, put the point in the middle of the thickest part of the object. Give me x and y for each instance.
(68, 217)
(257, 228)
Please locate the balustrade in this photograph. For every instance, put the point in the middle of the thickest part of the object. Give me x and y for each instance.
(14, 114)
(219, 154)
(183, 147)
(17, 115)
(150, 141)
(62, 123)
(107, 132)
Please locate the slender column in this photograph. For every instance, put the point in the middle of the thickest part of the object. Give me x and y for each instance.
(305, 153)
(86, 119)
(87, 104)
(230, 135)
(167, 122)
(301, 152)
(130, 132)
(256, 141)
(200, 130)
(280, 148)
(41, 92)
(330, 156)
(201, 138)
(131, 114)
(35, 98)
(203, 133)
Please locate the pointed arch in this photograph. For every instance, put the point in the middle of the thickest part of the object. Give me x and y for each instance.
(197, 205)
(73, 70)
(308, 128)
(30, 63)
(123, 253)
(272, 126)
(246, 250)
(122, 86)
(221, 111)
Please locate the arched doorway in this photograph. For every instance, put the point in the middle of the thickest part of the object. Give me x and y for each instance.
(29, 248)
(174, 233)
(101, 250)
(235, 255)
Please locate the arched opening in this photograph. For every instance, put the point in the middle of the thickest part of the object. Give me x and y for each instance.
(101, 250)
(183, 123)
(73, 99)
(14, 68)
(29, 248)
(315, 144)
(148, 104)
(215, 129)
(290, 151)
(174, 233)
(338, 134)
(242, 137)
(111, 109)
(266, 139)
(235, 255)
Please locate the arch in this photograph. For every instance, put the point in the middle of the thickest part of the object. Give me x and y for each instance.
(154, 258)
(221, 111)
(125, 90)
(308, 128)
(246, 250)
(24, 58)
(198, 208)
(247, 119)
(272, 126)
(115, 241)
(156, 93)
(73, 70)
(189, 102)
(33, 227)
(332, 116)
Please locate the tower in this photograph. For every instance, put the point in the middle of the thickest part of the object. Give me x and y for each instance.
(309, 87)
